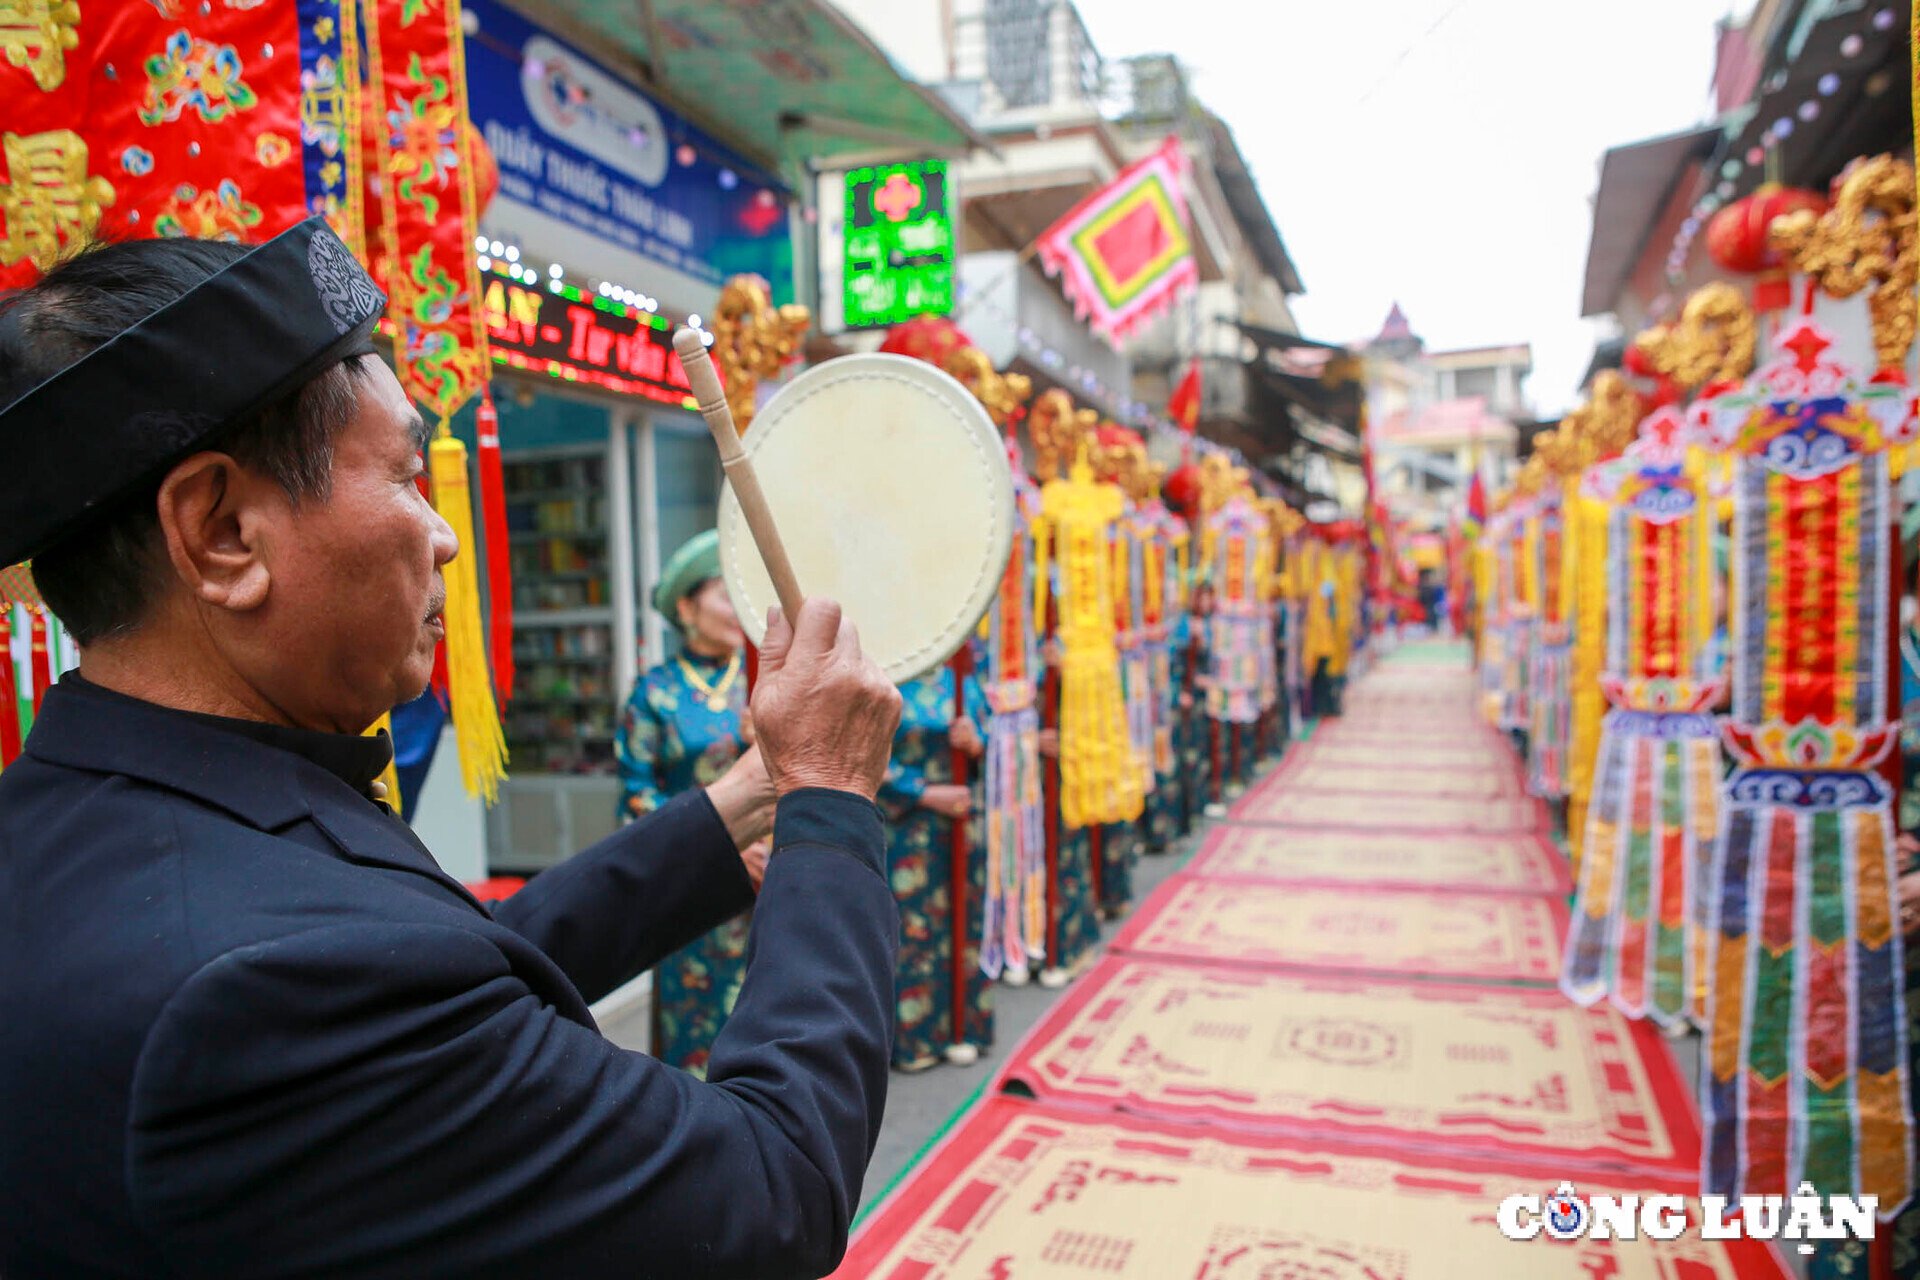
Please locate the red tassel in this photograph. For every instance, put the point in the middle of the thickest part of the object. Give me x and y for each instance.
(493, 508)
(960, 852)
(1772, 292)
(9, 693)
(42, 659)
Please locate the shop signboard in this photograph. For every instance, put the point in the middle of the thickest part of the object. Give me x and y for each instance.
(633, 188)
(581, 337)
(888, 244)
(899, 244)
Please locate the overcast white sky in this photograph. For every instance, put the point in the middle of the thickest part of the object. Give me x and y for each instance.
(1442, 152)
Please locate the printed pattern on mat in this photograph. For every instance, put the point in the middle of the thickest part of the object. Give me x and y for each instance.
(1027, 1190)
(1491, 1069)
(1494, 937)
(1388, 778)
(1515, 862)
(1292, 807)
(1468, 751)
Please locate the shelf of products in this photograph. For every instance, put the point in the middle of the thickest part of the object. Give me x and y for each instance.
(565, 710)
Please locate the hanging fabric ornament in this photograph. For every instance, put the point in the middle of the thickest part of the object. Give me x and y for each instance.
(1600, 429)
(1116, 455)
(1234, 560)
(1014, 938)
(1100, 780)
(493, 507)
(1552, 663)
(1517, 611)
(16, 592)
(1651, 822)
(10, 733)
(1013, 909)
(428, 205)
(1164, 539)
(483, 748)
(1806, 1055)
(1501, 690)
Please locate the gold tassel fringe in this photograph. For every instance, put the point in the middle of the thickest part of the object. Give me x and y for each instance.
(476, 720)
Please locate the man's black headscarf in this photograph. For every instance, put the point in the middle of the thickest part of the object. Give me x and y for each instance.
(119, 417)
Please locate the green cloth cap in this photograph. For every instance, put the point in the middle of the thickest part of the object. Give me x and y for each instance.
(697, 560)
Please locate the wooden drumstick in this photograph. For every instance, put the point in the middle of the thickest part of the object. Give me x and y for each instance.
(739, 469)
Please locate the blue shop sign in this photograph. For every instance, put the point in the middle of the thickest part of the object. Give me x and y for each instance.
(580, 145)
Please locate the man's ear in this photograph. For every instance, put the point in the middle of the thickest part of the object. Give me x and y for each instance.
(212, 517)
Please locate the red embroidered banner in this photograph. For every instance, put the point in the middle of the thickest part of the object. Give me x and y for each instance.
(429, 211)
(172, 119)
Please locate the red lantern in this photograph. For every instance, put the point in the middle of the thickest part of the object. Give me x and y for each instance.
(1182, 491)
(1737, 238)
(929, 338)
(486, 174)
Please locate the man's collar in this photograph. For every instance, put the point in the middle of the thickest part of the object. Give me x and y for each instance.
(212, 758)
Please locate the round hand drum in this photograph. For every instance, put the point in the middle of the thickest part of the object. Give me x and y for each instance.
(891, 491)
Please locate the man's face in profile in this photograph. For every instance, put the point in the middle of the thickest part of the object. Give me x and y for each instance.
(354, 611)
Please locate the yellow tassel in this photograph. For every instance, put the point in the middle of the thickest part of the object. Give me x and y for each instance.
(1587, 518)
(390, 776)
(1042, 535)
(476, 720)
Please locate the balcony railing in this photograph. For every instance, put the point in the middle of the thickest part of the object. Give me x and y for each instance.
(1031, 61)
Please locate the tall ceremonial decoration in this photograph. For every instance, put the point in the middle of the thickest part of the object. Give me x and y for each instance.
(1806, 1052)
(1234, 559)
(1641, 918)
(1100, 781)
(422, 172)
(1600, 429)
(1551, 652)
(1015, 938)
(1505, 629)
(1651, 823)
(1013, 915)
(1163, 541)
(1283, 529)
(1162, 538)
(1515, 614)
(1118, 456)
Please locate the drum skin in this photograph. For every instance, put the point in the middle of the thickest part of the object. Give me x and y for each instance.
(891, 490)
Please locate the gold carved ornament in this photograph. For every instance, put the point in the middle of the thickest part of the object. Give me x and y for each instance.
(1712, 342)
(1054, 427)
(1117, 460)
(1002, 394)
(752, 340)
(1610, 419)
(1217, 483)
(1152, 476)
(1866, 240)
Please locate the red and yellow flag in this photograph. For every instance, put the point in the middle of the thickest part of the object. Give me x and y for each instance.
(1123, 254)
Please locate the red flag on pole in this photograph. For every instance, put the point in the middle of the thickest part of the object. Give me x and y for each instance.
(1476, 506)
(1183, 406)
